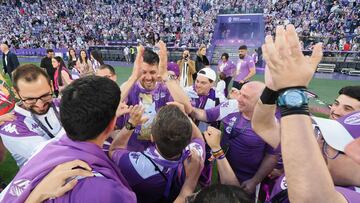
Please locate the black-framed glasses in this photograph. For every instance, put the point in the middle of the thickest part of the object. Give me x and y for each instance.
(44, 98)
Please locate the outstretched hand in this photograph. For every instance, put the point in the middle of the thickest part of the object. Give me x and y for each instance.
(136, 73)
(136, 115)
(287, 64)
(163, 73)
(61, 179)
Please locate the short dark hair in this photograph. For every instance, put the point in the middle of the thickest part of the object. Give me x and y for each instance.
(243, 47)
(351, 91)
(28, 72)
(150, 57)
(226, 56)
(87, 107)
(49, 50)
(171, 131)
(222, 193)
(109, 67)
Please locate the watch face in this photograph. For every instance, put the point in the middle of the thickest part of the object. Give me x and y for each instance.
(294, 98)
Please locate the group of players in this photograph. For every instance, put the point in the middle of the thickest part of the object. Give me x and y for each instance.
(151, 140)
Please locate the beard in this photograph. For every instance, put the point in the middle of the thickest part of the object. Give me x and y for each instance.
(42, 112)
(241, 56)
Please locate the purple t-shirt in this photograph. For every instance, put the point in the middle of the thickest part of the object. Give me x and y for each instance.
(280, 185)
(243, 67)
(246, 149)
(227, 68)
(143, 177)
(152, 101)
(109, 185)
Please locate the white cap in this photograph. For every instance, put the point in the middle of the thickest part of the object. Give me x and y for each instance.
(208, 73)
(338, 133)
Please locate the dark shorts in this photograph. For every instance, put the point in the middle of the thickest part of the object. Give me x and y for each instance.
(237, 85)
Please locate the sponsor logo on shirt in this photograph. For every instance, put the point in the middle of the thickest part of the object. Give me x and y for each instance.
(353, 119)
(18, 187)
(10, 128)
(225, 104)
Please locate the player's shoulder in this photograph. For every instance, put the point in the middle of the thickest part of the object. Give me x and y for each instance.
(90, 190)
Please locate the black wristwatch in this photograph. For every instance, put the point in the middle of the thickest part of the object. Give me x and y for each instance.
(129, 126)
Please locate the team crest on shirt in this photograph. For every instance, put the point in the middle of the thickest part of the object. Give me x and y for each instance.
(283, 183)
(156, 97)
(225, 104)
(231, 125)
(18, 187)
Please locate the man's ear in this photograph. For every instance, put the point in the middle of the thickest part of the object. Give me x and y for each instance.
(111, 126)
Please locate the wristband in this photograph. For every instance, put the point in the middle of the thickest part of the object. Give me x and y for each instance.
(269, 96)
(280, 91)
(217, 155)
(285, 111)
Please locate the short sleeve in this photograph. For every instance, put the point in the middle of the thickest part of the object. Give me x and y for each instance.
(222, 110)
(118, 154)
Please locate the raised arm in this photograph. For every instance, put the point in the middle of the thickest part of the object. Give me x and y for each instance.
(135, 75)
(227, 175)
(199, 114)
(264, 122)
(121, 137)
(174, 88)
(310, 182)
(193, 166)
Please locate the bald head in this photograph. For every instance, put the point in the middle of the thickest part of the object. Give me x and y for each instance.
(249, 95)
(255, 88)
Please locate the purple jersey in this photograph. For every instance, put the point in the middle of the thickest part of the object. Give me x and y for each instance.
(280, 186)
(143, 175)
(211, 100)
(29, 132)
(246, 149)
(243, 67)
(108, 186)
(152, 102)
(227, 68)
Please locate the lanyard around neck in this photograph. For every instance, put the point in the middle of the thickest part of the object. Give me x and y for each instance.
(41, 125)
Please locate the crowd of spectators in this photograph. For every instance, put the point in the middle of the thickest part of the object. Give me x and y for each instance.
(82, 23)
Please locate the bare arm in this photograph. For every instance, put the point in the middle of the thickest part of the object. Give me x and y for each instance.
(310, 182)
(267, 165)
(121, 137)
(265, 124)
(298, 147)
(193, 166)
(199, 114)
(251, 74)
(136, 73)
(174, 88)
(227, 175)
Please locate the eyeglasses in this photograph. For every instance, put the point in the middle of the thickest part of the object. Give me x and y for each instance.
(327, 150)
(44, 98)
(330, 152)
